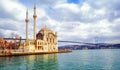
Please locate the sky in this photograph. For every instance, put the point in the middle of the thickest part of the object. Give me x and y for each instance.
(74, 20)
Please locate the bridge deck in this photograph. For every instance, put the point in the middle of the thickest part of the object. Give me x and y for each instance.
(58, 41)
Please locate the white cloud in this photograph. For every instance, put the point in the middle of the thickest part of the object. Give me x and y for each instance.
(71, 7)
(100, 11)
(85, 7)
(14, 8)
(71, 21)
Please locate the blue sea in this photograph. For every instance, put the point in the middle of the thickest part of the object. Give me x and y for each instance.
(105, 59)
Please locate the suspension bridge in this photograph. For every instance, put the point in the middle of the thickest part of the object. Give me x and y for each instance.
(62, 41)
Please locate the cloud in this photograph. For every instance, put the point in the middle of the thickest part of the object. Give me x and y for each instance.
(70, 7)
(82, 21)
(8, 24)
(13, 9)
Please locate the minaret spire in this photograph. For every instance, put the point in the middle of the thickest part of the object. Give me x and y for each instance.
(34, 17)
(26, 20)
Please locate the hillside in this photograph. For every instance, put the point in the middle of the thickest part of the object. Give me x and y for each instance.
(96, 46)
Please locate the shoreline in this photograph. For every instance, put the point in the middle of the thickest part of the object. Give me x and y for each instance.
(33, 53)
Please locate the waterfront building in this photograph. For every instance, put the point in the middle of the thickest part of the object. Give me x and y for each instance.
(44, 41)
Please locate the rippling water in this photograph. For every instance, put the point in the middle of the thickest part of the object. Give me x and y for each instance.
(108, 59)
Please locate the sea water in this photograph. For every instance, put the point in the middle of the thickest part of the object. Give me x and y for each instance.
(104, 59)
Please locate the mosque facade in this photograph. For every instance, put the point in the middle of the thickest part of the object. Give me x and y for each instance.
(44, 41)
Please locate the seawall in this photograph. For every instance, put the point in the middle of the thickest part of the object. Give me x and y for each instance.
(33, 53)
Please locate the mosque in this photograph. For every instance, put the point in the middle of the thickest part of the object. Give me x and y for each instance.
(44, 41)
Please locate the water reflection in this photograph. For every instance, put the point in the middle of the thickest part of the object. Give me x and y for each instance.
(77, 60)
(32, 62)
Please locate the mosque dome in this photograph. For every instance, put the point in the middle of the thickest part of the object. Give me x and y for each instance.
(46, 30)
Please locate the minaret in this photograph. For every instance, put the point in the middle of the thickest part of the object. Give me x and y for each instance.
(26, 20)
(34, 17)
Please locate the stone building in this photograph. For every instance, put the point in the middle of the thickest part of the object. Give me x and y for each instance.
(44, 41)
(47, 40)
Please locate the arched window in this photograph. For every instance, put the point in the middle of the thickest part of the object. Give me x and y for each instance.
(53, 40)
(38, 43)
(50, 39)
(47, 39)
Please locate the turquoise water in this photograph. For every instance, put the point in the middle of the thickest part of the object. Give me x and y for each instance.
(108, 59)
